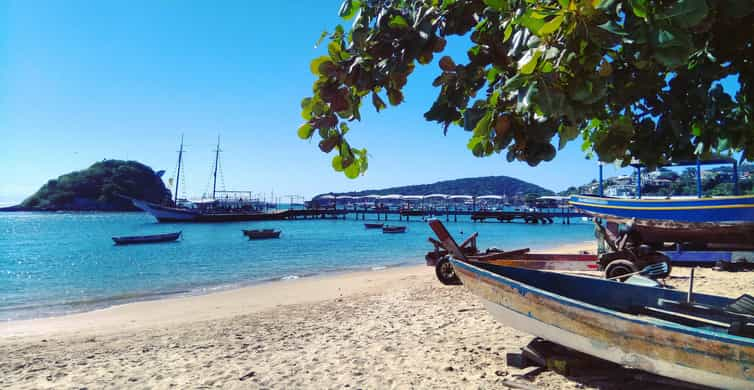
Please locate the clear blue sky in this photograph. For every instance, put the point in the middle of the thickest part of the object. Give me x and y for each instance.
(81, 81)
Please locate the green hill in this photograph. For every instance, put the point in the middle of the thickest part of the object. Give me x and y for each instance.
(97, 188)
(490, 185)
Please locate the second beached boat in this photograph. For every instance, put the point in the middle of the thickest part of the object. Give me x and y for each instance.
(706, 341)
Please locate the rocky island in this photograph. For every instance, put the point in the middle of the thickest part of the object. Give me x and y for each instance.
(97, 188)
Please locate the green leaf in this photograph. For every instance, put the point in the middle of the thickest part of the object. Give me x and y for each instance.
(317, 63)
(531, 22)
(398, 22)
(639, 7)
(336, 51)
(551, 26)
(491, 74)
(515, 82)
(494, 98)
(349, 8)
(352, 171)
(305, 131)
(321, 38)
(507, 32)
(528, 62)
(306, 108)
(566, 134)
(696, 129)
(500, 5)
(482, 127)
(613, 27)
(685, 13)
(337, 163)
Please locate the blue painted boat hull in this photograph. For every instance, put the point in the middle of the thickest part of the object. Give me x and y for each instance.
(608, 320)
(724, 220)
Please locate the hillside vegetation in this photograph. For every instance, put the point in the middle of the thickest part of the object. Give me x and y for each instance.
(97, 188)
(715, 182)
(477, 186)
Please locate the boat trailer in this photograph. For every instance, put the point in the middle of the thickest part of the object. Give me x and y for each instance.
(619, 241)
(445, 247)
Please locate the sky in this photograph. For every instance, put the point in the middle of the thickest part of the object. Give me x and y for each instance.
(82, 81)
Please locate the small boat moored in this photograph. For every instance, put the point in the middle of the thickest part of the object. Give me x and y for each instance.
(374, 225)
(261, 234)
(696, 338)
(150, 239)
(393, 229)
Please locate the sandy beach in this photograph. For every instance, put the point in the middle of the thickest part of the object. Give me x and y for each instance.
(391, 328)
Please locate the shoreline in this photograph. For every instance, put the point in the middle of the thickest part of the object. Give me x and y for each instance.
(95, 303)
(219, 302)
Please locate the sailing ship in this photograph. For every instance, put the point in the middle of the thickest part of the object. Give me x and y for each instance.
(221, 206)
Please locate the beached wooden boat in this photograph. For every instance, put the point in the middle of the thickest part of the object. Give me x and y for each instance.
(374, 225)
(447, 247)
(707, 342)
(261, 234)
(721, 220)
(126, 240)
(394, 229)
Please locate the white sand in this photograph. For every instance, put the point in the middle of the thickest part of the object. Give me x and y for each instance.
(393, 328)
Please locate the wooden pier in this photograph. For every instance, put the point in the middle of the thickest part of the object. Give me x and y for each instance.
(534, 216)
(543, 217)
(316, 214)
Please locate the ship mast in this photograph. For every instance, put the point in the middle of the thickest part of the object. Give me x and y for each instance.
(214, 175)
(178, 175)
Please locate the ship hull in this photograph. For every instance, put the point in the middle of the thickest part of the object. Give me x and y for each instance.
(174, 214)
(724, 220)
(581, 318)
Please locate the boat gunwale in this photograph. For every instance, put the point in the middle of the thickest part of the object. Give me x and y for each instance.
(472, 270)
(690, 199)
(698, 207)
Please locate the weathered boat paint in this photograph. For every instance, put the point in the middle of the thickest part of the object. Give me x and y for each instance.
(722, 220)
(717, 209)
(696, 355)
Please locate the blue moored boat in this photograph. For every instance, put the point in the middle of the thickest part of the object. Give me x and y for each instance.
(728, 209)
(720, 220)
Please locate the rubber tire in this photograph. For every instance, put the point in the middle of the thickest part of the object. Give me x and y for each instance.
(445, 273)
(619, 267)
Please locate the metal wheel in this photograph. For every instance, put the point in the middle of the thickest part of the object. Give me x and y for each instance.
(445, 273)
(619, 267)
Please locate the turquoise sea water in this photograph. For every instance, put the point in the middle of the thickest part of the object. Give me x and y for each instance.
(55, 263)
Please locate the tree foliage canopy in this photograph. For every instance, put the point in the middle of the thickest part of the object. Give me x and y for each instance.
(635, 79)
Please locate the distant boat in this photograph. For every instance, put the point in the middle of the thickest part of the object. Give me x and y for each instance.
(261, 234)
(697, 338)
(374, 225)
(154, 238)
(394, 229)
